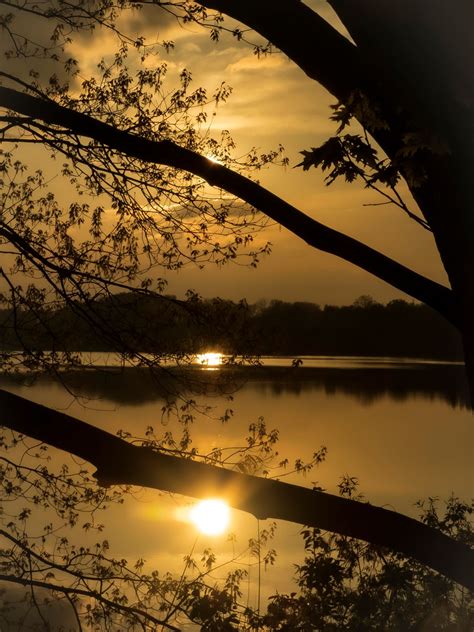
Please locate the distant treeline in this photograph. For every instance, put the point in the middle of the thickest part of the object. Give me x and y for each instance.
(129, 322)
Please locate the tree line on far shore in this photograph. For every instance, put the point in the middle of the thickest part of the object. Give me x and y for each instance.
(169, 326)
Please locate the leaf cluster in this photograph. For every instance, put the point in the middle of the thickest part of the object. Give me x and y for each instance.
(345, 584)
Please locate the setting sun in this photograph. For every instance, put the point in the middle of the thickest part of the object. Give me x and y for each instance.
(209, 359)
(214, 159)
(210, 516)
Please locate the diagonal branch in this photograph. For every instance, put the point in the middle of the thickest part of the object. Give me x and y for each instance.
(314, 233)
(119, 462)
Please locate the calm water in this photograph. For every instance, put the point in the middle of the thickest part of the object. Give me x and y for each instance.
(401, 427)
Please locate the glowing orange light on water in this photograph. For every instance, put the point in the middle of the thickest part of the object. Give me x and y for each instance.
(211, 358)
(211, 516)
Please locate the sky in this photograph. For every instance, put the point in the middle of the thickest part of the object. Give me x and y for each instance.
(274, 103)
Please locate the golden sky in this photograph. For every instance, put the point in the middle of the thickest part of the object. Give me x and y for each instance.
(273, 102)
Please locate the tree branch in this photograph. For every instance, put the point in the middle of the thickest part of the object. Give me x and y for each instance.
(408, 55)
(121, 463)
(312, 43)
(83, 592)
(314, 233)
(321, 52)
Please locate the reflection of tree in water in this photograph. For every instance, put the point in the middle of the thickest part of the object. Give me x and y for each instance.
(434, 382)
(345, 584)
(134, 387)
(137, 386)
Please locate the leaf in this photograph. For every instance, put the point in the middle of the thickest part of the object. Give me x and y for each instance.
(326, 156)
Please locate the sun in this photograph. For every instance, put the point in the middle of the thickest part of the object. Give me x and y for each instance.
(211, 516)
(213, 158)
(212, 358)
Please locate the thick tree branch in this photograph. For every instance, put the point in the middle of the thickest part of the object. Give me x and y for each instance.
(312, 43)
(312, 232)
(409, 55)
(321, 52)
(119, 462)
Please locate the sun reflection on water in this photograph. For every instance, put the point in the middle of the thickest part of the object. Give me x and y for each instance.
(210, 516)
(210, 359)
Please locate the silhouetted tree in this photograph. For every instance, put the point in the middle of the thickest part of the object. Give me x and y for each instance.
(124, 143)
(429, 150)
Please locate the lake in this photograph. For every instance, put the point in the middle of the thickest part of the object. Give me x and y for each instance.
(401, 426)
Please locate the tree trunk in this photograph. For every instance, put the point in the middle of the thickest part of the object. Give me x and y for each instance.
(446, 200)
(467, 332)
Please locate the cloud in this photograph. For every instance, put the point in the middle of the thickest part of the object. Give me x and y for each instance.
(251, 62)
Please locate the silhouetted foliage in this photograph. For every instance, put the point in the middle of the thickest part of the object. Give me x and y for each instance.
(342, 584)
(347, 586)
(140, 149)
